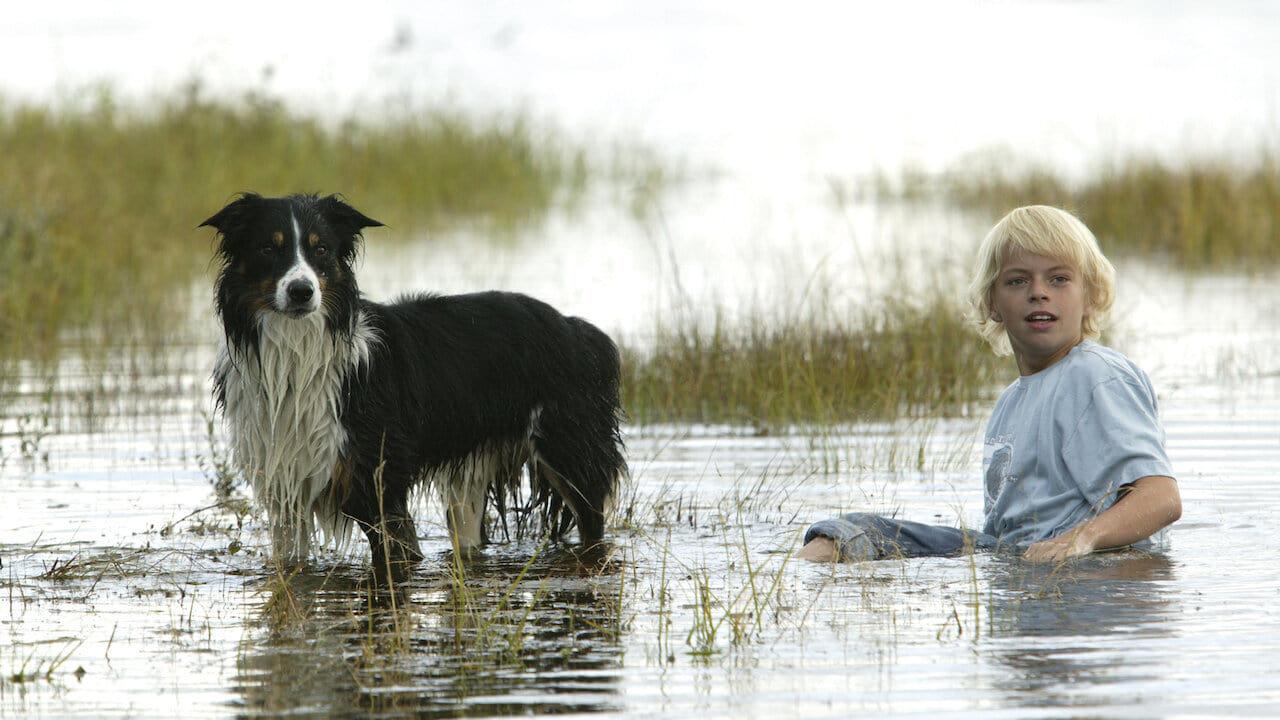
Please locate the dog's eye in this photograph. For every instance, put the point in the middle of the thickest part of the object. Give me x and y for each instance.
(321, 251)
(267, 249)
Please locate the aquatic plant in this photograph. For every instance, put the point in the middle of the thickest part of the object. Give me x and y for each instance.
(99, 200)
(888, 359)
(33, 668)
(1200, 213)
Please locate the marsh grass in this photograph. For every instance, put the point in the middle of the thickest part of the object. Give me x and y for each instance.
(1199, 213)
(282, 607)
(117, 564)
(888, 360)
(34, 668)
(702, 584)
(217, 466)
(735, 604)
(99, 201)
(487, 618)
(720, 596)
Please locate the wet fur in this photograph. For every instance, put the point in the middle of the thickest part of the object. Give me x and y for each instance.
(336, 416)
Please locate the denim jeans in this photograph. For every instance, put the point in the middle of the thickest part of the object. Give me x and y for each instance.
(864, 536)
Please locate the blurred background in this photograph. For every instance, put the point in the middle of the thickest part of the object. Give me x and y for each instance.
(817, 88)
(662, 168)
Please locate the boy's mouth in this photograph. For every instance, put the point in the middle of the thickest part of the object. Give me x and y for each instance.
(1040, 320)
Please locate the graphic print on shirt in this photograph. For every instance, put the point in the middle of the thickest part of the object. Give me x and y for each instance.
(997, 467)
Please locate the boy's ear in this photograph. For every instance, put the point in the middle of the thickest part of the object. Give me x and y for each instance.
(343, 218)
(235, 215)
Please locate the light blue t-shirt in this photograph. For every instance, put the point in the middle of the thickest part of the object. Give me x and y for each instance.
(1062, 442)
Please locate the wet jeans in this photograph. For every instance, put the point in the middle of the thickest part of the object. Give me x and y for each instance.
(864, 536)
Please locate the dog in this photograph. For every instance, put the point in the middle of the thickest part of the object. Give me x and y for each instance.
(338, 408)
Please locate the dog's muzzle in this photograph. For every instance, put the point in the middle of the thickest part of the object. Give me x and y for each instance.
(300, 297)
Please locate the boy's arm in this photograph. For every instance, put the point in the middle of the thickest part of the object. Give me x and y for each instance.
(1151, 504)
(820, 549)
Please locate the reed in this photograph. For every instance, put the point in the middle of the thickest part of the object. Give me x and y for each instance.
(889, 360)
(99, 201)
(1198, 214)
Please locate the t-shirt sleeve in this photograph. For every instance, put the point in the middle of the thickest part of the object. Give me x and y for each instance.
(1116, 441)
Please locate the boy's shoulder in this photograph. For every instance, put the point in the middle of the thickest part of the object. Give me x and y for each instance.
(1091, 364)
(1092, 367)
(1069, 385)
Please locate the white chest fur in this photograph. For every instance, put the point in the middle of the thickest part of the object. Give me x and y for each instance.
(283, 417)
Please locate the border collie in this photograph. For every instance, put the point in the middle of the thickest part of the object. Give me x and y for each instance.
(338, 407)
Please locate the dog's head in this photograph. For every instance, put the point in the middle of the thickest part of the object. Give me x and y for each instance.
(288, 255)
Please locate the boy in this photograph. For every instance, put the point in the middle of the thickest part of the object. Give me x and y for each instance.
(1074, 460)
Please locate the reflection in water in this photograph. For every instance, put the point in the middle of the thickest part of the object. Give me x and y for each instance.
(516, 636)
(1057, 629)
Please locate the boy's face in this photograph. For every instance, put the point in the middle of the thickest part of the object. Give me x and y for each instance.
(1041, 301)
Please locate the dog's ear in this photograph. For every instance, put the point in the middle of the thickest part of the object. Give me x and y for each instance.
(343, 218)
(235, 215)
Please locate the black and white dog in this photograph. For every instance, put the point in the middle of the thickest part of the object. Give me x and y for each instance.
(337, 407)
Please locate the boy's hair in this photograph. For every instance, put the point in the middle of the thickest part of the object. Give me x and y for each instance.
(1051, 232)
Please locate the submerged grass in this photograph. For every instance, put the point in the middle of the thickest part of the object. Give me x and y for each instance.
(33, 668)
(1200, 213)
(889, 360)
(99, 203)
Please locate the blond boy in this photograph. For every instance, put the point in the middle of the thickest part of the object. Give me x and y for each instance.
(1074, 459)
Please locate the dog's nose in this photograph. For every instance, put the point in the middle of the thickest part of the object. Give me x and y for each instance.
(300, 291)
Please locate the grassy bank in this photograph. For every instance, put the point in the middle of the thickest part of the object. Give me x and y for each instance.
(888, 361)
(1201, 214)
(99, 205)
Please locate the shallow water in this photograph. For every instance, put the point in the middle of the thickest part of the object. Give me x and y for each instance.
(695, 609)
(115, 564)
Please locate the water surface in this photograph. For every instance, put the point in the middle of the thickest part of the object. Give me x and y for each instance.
(695, 608)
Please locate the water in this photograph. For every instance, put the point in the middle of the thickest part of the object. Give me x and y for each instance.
(114, 564)
(695, 610)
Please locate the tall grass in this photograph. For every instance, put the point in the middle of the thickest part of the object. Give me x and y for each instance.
(888, 360)
(99, 204)
(1200, 214)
